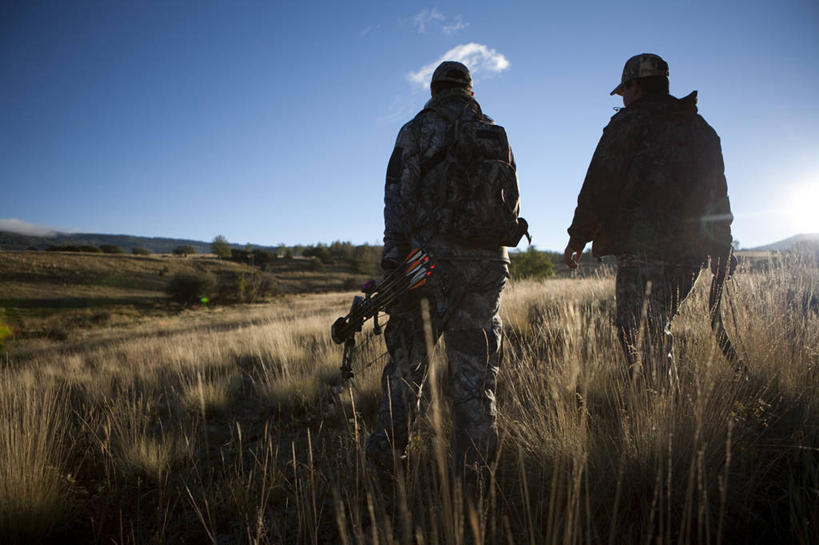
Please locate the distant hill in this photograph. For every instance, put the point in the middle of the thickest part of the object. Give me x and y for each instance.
(155, 245)
(788, 243)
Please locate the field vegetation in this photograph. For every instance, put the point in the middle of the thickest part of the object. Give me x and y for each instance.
(229, 424)
(68, 295)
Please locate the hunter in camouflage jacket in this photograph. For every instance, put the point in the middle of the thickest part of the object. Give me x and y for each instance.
(464, 294)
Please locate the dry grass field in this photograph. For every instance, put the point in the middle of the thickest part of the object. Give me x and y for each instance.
(230, 425)
(69, 295)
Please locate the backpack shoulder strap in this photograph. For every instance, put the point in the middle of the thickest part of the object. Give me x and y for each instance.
(448, 118)
(431, 162)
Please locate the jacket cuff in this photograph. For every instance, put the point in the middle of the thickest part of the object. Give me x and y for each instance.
(576, 241)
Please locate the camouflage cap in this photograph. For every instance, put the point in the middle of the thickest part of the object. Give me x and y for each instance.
(454, 72)
(641, 66)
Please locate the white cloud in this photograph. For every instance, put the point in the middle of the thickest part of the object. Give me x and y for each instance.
(429, 18)
(366, 31)
(454, 26)
(426, 17)
(25, 228)
(480, 59)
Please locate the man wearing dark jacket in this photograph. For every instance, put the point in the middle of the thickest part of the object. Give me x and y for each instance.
(654, 196)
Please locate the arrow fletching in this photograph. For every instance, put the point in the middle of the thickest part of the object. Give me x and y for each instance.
(413, 273)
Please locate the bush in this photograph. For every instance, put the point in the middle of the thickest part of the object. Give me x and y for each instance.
(221, 247)
(140, 251)
(111, 249)
(530, 264)
(258, 257)
(316, 264)
(245, 287)
(239, 256)
(5, 332)
(261, 258)
(320, 252)
(365, 259)
(191, 288)
(184, 250)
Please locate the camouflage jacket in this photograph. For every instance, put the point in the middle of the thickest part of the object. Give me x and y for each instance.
(410, 197)
(656, 185)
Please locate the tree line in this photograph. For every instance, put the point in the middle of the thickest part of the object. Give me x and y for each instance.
(361, 258)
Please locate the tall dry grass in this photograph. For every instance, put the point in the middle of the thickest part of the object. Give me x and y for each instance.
(232, 426)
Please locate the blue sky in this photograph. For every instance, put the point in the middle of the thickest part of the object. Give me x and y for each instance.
(272, 122)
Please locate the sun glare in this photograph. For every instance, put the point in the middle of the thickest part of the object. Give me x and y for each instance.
(803, 208)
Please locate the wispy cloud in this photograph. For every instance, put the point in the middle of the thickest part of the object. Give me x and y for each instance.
(454, 25)
(430, 18)
(426, 17)
(368, 30)
(25, 228)
(480, 59)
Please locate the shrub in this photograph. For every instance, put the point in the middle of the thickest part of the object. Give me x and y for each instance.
(245, 287)
(184, 250)
(140, 251)
(191, 288)
(320, 252)
(240, 256)
(258, 257)
(261, 258)
(111, 249)
(531, 264)
(221, 247)
(365, 259)
(5, 333)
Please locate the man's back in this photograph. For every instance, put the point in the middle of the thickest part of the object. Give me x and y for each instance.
(422, 205)
(656, 182)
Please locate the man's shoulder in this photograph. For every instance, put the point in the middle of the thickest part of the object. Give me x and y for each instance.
(409, 130)
(624, 120)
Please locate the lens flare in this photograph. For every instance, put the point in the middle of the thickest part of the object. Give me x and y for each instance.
(802, 207)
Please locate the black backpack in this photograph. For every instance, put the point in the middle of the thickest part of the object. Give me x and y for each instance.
(478, 198)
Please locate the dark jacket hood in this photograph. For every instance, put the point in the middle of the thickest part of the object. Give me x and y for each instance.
(686, 105)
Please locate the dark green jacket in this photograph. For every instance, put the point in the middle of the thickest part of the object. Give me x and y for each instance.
(656, 185)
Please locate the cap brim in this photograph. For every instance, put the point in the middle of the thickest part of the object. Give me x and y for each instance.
(617, 90)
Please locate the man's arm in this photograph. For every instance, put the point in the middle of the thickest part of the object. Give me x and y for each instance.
(604, 182)
(716, 223)
(402, 173)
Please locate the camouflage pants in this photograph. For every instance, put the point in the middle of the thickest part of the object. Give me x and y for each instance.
(650, 290)
(464, 308)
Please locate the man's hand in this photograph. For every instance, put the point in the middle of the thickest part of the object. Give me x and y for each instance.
(572, 253)
(392, 258)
